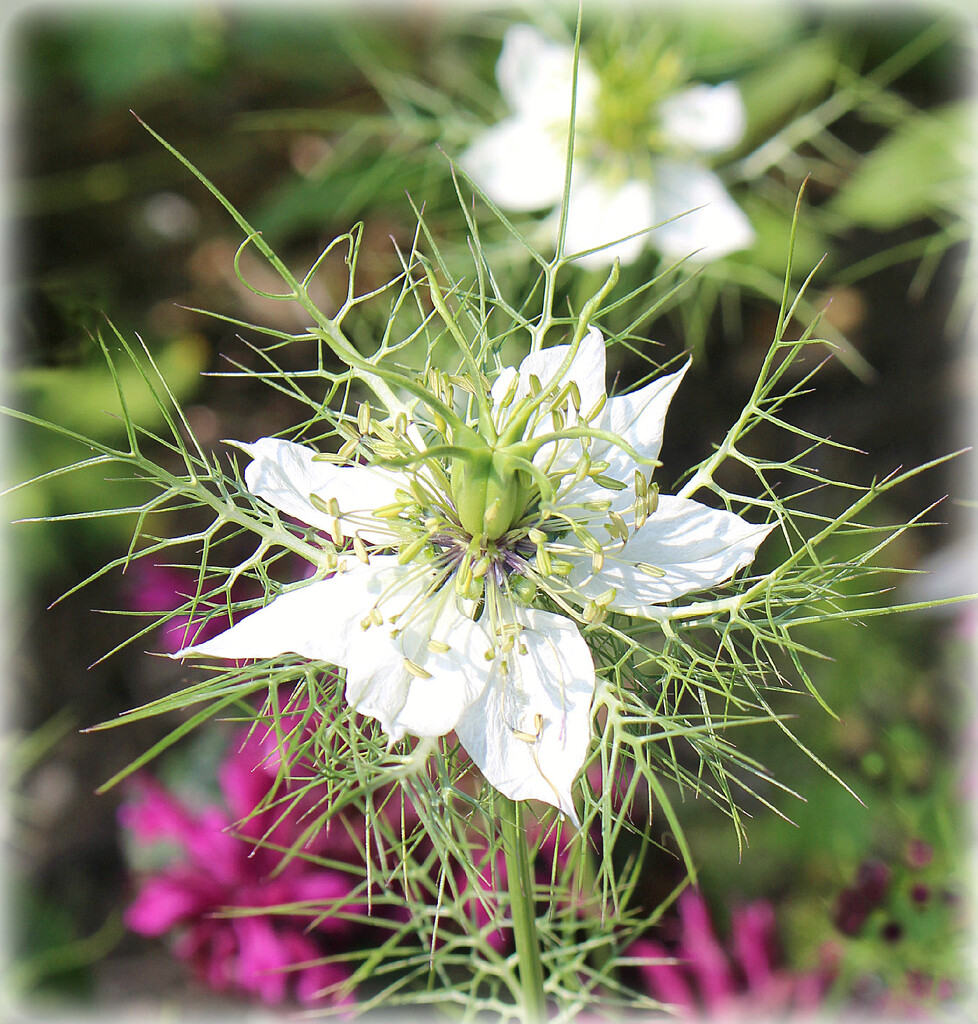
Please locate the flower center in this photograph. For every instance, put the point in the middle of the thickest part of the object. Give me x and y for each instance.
(625, 124)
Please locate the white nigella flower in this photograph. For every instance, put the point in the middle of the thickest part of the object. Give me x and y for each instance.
(641, 146)
(469, 561)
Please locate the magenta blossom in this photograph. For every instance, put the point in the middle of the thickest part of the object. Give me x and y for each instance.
(269, 956)
(740, 983)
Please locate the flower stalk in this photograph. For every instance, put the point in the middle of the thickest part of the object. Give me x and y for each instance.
(519, 878)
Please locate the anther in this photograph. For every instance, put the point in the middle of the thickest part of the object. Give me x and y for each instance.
(335, 533)
(363, 417)
(620, 526)
(375, 617)
(360, 550)
(416, 670)
(347, 448)
(406, 554)
(438, 646)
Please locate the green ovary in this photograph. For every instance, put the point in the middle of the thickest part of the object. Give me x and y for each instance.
(489, 492)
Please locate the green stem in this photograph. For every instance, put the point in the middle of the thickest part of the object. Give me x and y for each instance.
(520, 881)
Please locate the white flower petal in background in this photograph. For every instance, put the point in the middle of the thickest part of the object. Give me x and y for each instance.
(518, 164)
(601, 212)
(720, 227)
(706, 118)
(535, 74)
(529, 732)
(285, 475)
(694, 546)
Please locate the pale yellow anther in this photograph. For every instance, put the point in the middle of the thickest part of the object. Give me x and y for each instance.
(575, 396)
(652, 499)
(620, 528)
(596, 409)
(536, 536)
(334, 507)
(363, 417)
(481, 567)
(375, 617)
(360, 550)
(416, 670)
(335, 533)
(650, 570)
(582, 470)
(597, 561)
(365, 623)
(400, 424)
(641, 513)
(347, 448)
(605, 598)
(589, 541)
(438, 646)
(414, 548)
(543, 561)
(641, 485)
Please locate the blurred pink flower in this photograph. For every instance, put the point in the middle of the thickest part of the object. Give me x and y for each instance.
(733, 984)
(158, 589)
(218, 871)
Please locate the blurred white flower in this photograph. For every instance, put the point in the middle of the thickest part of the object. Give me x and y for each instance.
(639, 153)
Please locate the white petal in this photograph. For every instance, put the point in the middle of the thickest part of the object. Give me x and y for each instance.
(638, 419)
(518, 164)
(696, 547)
(322, 621)
(524, 756)
(319, 620)
(705, 118)
(586, 370)
(718, 228)
(429, 704)
(535, 76)
(285, 475)
(601, 212)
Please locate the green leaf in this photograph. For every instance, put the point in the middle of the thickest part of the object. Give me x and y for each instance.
(919, 169)
(84, 398)
(792, 81)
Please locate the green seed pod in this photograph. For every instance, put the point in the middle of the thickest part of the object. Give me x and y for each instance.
(523, 588)
(489, 492)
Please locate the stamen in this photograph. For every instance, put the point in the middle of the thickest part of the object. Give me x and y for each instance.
(617, 527)
(596, 409)
(347, 448)
(652, 500)
(416, 670)
(607, 482)
(363, 417)
(375, 617)
(650, 570)
(405, 555)
(438, 646)
(335, 533)
(360, 550)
